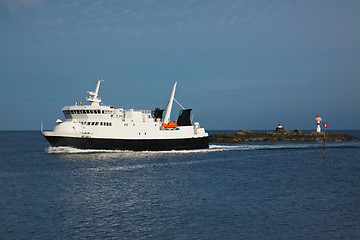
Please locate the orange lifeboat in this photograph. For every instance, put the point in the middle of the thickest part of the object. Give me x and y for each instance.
(170, 124)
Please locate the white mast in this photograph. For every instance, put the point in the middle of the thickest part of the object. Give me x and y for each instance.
(169, 106)
(93, 98)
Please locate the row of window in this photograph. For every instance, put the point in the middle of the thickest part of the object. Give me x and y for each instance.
(103, 124)
(96, 123)
(87, 111)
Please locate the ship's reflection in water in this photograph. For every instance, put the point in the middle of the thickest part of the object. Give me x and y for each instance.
(127, 194)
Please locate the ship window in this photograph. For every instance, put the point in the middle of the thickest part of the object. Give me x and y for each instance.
(92, 124)
(110, 124)
(133, 124)
(102, 111)
(100, 123)
(125, 124)
(87, 111)
(97, 123)
(98, 111)
(139, 133)
(88, 123)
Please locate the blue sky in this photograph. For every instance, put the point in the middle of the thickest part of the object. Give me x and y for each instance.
(238, 64)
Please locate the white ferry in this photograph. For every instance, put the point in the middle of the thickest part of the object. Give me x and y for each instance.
(98, 126)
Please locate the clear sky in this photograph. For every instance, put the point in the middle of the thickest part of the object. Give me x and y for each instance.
(238, 64)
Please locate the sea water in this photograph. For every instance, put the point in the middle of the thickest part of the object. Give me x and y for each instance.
(267, 190)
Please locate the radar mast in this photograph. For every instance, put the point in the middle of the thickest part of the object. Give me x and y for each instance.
(93, 98)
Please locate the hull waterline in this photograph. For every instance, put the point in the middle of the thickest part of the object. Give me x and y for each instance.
(132, 145)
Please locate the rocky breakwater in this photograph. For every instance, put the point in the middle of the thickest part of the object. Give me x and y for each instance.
(278, 135)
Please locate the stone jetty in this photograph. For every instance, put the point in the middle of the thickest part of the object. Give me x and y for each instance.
(279, 134)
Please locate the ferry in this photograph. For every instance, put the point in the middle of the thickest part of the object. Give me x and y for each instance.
(97, 126)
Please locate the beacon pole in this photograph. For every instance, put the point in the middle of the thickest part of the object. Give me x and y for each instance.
(325, 126)
(324, 144)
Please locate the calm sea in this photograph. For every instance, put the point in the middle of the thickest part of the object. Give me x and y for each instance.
(266, 190)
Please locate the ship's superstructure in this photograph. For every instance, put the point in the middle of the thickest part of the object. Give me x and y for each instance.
(98, 126)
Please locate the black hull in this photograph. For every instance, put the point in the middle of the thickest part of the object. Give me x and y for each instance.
(133, 145)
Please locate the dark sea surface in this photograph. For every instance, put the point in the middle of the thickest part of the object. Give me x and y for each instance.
(268, 190)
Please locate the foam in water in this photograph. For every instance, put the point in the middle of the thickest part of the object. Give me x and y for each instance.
(214, 148)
